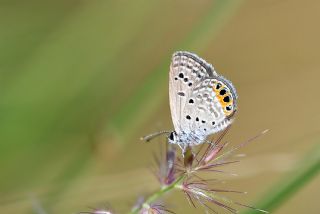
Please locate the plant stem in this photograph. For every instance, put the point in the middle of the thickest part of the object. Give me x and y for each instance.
(157, 195)
(305, 172)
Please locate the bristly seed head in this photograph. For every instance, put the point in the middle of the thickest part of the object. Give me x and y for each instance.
(167, 166)
(188, 158)
(207, 159)
(154, 209)
(99, 211)
(183, 172)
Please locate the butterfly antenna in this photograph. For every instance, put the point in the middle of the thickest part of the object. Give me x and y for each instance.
(149, 137)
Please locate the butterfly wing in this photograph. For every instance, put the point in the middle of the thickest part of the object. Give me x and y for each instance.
(209, 107)
(201, 101)
(186, 71)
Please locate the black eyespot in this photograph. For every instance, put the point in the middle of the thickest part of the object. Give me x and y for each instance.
(171, 137)
(205, 129)
(188, 117)
(226, 99)
(191, 101)
(181, 75)
(218, 86)
(199, 76)
(185, 79)
(190, 84)
(203, 121)
(175, 78)
(222, 92)
(228, 108)
(213, 123)
(197, 119)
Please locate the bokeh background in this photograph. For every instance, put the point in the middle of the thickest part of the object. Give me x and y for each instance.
(81, 81)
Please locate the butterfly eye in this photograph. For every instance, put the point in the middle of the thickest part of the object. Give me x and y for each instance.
(171, 136)
(229, 108)
(218, 86)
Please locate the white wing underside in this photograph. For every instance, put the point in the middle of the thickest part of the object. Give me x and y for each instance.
(191, 79)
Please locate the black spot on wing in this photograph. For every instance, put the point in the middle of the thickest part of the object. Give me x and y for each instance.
(181, 94)
(226, 99)
(223, 91)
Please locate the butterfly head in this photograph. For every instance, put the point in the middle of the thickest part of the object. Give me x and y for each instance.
(172, 138)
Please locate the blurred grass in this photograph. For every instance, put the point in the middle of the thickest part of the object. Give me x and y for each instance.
(47, 98)
(50, 102)
(71, 71)
(306, 169)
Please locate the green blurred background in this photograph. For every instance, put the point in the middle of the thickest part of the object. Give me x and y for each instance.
(81, 81)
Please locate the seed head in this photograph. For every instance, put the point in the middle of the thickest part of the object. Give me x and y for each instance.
(97, 212)
(154, 209)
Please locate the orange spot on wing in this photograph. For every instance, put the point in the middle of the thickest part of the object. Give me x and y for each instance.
(221, 101)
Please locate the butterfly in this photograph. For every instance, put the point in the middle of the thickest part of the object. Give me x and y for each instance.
(202, 102)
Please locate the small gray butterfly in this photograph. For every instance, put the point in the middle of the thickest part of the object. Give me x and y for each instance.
(201, 101)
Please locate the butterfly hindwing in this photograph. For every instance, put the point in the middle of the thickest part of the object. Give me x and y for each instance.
(205, 112)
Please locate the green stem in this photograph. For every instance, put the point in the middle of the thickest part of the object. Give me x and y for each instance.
(157, 195)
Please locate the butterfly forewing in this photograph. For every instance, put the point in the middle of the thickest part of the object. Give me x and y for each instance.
(186, 71)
